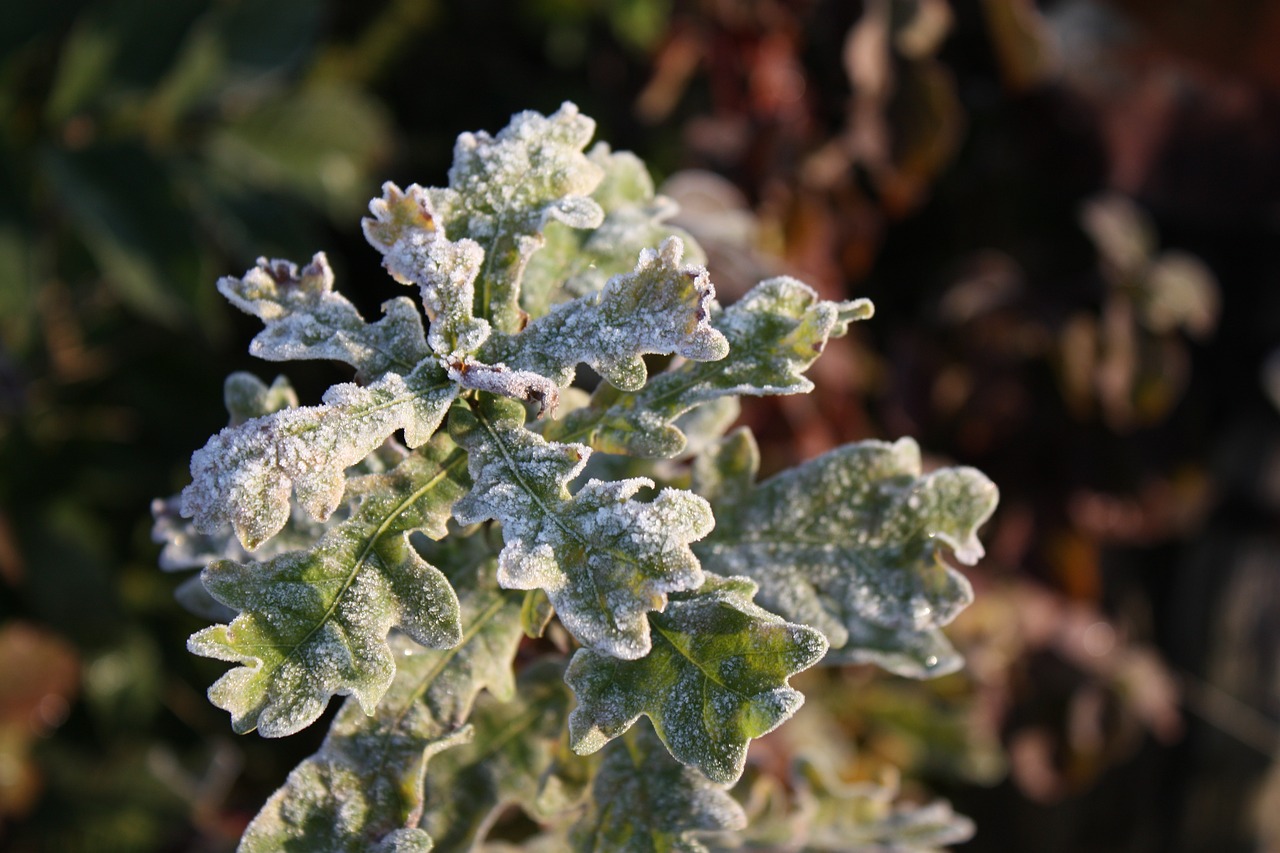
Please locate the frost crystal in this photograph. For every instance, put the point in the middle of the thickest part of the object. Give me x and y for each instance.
(575, 262)
(366, 783)
(416, 251)
(503, 192)
(305, 319)
(774, 333)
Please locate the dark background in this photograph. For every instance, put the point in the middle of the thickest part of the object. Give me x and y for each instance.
(1121, 692)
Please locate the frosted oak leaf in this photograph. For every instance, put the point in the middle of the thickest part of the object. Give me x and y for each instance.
(365, 786)
(774, 334)
(504, 190)
(245, 474)
(644, 801)
(416, 251)
(602, 557)
(715, 678)
(306, 319)
(852, 543)
(314, 622)
(660, 307)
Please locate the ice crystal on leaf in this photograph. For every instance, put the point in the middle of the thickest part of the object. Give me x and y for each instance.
(245, 474)
(398, 542)
(662, 307)
(305, 319)
(503, 192)
(577, 261)
(416, 251)
(851, 543)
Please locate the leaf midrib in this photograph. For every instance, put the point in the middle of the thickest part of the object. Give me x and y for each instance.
(458, 456)
(554, 517)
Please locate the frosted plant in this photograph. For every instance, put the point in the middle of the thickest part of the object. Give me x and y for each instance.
(421, 542)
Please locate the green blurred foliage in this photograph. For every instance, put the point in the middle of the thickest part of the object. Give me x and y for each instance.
(144, 149)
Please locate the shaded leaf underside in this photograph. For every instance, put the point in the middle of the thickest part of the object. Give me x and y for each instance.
(646, 802)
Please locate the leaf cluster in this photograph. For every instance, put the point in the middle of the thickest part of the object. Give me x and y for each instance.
(408, 541)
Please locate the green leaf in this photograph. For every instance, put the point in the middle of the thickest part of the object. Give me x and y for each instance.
(246, 396)
(245, 474)
(603, 558)
(125, 207)
(504, 190)
(715, 678)
(775, 332)
(314, 623)
(318, 142)
(726, 472)
(508, 760)
(575, 262)
(404, 229)
(660, 307)
(645, 802)
(851, 543)
(536, 613)
(305, 319)
(365, 784)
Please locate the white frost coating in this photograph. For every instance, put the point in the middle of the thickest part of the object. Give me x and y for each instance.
(416, 251)
(365, 784)
(505, 190)
(850, 543)
(445, 272)
(963, 486)
(774, 333)
(920, 655)
(502, 380)
(306, 319)
(660, 307)
(314, 623)
(604, 559)
(532, 172)
(184, 547)
(244, 475)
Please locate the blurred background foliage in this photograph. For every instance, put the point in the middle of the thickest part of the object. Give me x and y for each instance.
(1066, 212)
